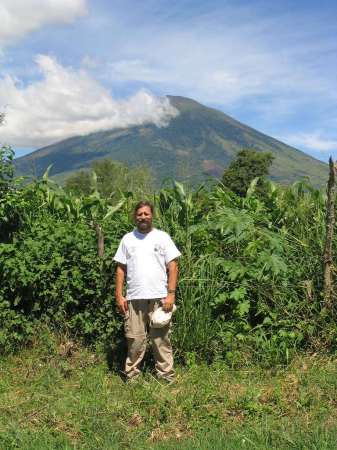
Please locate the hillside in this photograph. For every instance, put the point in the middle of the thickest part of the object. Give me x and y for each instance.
(199, 142)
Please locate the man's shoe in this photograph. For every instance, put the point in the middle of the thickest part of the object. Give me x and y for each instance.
(132, 379)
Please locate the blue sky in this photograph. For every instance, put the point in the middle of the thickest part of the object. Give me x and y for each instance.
(76, 66)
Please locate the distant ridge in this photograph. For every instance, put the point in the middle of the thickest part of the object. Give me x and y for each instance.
(199, 142)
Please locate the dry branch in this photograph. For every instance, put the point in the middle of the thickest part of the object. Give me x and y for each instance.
(330, 221)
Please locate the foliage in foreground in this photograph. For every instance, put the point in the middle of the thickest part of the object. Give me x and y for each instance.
(250, 284)
(69, 400)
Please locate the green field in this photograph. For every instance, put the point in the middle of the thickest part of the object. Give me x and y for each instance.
(57, 395)
(255, 332)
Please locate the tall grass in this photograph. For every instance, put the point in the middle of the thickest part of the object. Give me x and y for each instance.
(196, 326)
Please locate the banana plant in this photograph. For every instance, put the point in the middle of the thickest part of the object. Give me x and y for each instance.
(92, 208)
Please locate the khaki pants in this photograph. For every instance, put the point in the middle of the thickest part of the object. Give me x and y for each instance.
(137, 322)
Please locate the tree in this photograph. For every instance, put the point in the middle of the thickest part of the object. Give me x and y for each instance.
(6, 162)
(11, 198)
(112, 177)
(247, 165)
(6, 167)
(79, 183)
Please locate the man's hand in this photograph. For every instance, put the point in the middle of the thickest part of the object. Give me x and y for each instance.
(168, 302)
(122, 305)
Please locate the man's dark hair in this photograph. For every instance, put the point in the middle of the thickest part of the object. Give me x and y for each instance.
(141, 204)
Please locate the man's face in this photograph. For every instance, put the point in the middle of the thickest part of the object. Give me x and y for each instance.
(143, 219)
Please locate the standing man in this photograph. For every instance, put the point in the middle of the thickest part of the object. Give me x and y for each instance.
(147, 259)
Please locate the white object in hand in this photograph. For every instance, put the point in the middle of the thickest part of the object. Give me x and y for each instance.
(161, 318)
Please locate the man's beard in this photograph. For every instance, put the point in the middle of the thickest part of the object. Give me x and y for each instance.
(144, 226)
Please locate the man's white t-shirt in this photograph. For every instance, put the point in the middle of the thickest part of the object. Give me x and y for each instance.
(146, 257)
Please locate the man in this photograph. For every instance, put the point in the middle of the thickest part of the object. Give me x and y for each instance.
(147, 259)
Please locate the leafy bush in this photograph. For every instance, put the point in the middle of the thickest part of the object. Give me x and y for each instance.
(250, 274)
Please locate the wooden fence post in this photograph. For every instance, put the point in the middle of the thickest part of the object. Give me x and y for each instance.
(100, 240)
(330, 221)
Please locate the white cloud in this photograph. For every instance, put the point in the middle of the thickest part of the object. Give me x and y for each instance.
(67, 103)
(233, 56)
(19, 17)
(312, 141)
(265, 63)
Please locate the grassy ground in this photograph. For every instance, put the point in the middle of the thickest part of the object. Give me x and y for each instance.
(64, 397)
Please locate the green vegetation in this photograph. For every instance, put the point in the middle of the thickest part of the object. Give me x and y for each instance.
(254, 342)
(247, 166)
(251, 270)
(110, 178)
(58, 395)
(198, 143)
(6, 166)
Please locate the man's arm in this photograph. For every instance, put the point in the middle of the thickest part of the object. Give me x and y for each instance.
(172, 277)
(121, 301)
